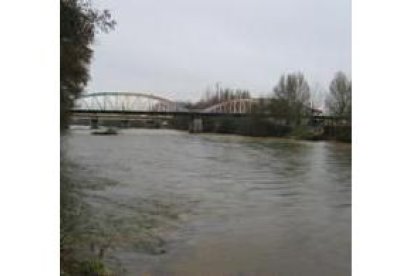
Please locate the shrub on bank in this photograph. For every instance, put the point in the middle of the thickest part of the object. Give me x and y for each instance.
(252, 126)
(268, 127)
(93, 268)
(340, 133)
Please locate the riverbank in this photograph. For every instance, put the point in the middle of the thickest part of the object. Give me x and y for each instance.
(95, 225)
(269, 127)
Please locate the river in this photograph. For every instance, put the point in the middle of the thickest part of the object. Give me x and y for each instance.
(173, 203)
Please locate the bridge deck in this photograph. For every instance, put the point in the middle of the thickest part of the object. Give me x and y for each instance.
(194, 113)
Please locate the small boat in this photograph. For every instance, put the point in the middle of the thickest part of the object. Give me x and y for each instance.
(108, 131)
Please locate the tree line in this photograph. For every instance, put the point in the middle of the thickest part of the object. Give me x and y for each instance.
(290, 98)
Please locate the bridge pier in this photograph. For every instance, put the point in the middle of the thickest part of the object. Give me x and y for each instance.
(196, 125)
(94, 123)
(125, 123)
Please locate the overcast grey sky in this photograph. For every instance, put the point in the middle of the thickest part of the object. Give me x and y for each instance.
(177, 48)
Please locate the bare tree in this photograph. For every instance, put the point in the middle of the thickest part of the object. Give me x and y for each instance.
(318, 97)
(221, 94)
(339, 100)
(292, 96)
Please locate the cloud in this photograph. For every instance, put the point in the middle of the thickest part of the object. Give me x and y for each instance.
(177, 48)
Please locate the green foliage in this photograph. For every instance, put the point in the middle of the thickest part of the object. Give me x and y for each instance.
(251, 126)
(306, 133)
(339, 133)
(339, 101)
(93, 267)
(300, 132)
(79, 23)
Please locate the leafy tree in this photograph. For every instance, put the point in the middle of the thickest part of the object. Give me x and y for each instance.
(339, 101)
(292, 96)
(79, 22)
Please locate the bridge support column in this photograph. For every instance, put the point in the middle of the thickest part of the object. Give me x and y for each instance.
(94, 123)
(125, 123)
(196, 125)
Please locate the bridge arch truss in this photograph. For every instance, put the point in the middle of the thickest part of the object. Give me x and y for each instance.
(124, 101)
(236, 106)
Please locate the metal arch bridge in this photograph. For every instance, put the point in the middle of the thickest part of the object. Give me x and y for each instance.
(129, 107)
(234, 106)
(125, 102)
(130, 102)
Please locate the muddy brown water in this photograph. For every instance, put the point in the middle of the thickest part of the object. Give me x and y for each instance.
(184, 204)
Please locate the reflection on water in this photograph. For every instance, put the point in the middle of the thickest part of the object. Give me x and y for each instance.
(186, 204)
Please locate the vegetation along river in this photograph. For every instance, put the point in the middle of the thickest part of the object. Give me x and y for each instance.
(164, 202)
